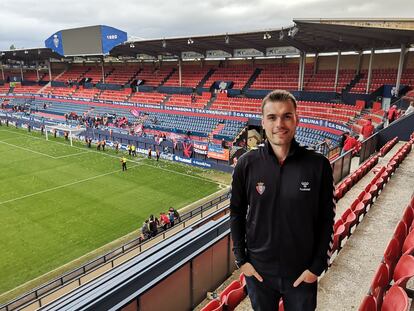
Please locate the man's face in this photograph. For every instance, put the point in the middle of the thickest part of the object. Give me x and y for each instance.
(279, 121)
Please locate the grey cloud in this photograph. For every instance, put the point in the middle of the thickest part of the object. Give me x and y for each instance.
(28, 23)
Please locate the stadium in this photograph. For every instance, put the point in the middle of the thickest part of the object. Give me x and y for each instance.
(181, 111)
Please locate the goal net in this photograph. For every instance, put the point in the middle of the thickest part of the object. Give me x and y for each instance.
(63, 130)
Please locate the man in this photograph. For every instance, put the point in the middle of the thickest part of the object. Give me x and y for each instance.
(282, 213)
(123, 162)
(350, 143)
(157, 154)
(392, 114)
(410, 109)
(134, 150)
(367, 129)
(145, 231)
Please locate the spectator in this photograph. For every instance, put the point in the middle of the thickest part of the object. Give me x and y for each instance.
(350, 143)
(392, 114)
(172, 217)
(165, 221)
(410, 109)
(153, 225)
(367, 129)
(145, 230)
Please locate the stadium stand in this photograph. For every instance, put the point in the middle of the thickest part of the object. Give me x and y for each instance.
(283, 76)
(121, 74)
(154, 76)
(75, 73)
(191, 76)
(238, 74)
(324, 80)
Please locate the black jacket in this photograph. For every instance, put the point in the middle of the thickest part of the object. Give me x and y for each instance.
(282, 216)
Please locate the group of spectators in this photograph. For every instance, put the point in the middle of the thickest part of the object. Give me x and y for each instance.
(153, 225)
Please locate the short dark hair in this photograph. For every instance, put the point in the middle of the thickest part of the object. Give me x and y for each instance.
(279, 96)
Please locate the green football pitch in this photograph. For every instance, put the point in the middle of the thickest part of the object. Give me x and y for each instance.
(58, 203)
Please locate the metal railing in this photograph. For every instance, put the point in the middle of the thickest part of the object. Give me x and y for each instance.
(109, 259)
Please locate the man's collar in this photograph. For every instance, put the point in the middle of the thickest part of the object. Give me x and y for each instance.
(292, 149)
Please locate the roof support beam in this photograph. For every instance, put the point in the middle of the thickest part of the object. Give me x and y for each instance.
(2, 70)
(50, 71)
(370, 70)
(359, 64)
(21, 71)
(302, 62)
(179, 72)
(400, 68)
(338, 59)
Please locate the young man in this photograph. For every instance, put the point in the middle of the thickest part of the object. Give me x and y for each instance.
(282, 213)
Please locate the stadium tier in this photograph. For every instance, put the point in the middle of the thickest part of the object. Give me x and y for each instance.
(191, 76)
(238, 74)
(280, 76)
(121, 74)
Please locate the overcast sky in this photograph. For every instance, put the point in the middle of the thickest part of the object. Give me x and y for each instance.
(27, 23)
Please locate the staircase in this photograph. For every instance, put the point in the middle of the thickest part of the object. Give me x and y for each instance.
(211, 101)
(165, 100)
(216, 130)
(134, 77)
(358, 117)
(251, 80)
(59, 75)
(353, 82)
(167, 77)
(205, 78)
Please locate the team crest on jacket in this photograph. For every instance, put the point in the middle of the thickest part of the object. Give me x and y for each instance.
(260, 187)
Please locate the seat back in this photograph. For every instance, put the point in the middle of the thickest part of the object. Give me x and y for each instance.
(395, 299)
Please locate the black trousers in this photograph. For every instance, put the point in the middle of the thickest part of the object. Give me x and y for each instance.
(265, 295)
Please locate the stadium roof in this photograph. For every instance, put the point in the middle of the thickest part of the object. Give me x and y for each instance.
(27, 55)
(308, 35)
(352, 35)
(311, 36)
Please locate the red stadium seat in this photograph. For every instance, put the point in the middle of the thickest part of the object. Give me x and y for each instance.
(404, 270)
(281, 305)
(214, 305)
(232, 286)
(234, 297)
(368, 304)
(408, 242)
(380, 282)
(400, 232)
(395, 299)
(391, 255)
(408, 216)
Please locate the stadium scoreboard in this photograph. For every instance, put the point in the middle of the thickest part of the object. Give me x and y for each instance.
(92, 40)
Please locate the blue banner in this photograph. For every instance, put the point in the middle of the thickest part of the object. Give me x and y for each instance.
(112, 37)
(325, 123)
(55, 43)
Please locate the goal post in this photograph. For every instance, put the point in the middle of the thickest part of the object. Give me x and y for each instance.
(72, 131)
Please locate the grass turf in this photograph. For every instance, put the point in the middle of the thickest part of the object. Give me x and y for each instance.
(59, 202)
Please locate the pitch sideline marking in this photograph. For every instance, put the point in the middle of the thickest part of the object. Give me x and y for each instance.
(62, 186)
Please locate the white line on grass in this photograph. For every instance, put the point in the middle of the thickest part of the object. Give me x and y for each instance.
(27, 149)
(130, 160)
(71, 155)
(179, 173)
(63, 186)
